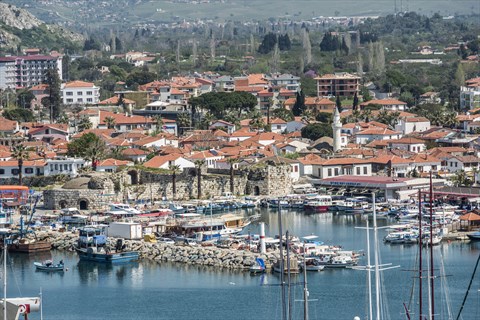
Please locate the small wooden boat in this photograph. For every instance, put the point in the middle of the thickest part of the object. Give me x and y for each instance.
(49, 266)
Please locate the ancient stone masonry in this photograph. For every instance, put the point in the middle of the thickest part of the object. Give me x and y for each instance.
(94, 191)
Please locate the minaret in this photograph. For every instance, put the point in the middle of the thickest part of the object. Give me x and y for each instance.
(337, 131)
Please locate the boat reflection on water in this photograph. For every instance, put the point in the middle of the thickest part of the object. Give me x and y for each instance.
(95, 273)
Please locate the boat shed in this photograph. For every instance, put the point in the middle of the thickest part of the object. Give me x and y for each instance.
(389, 187)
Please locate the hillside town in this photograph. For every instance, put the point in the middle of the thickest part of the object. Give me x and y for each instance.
(153, 128)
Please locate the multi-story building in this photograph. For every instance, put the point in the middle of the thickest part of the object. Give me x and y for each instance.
(80, 92)
(27, 71)
(338, 84)
(470, 94)
(7, 73)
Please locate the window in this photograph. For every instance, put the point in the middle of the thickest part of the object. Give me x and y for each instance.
(80, 100)
(89, 93)
(56, 166)
(336, 171)
(69, 100)
(79, 93)
(2, 171)
(358, 171)
(70, 167)
(108, 170)
(15, 172)
(365, 170)
(295, 168)
(69, 93)
(329, 172)
(89, 100)
(29, 170)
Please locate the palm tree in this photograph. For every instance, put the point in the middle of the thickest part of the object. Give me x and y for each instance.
(174, 169)
(110, 122)
(20, 153)
(460, 179)
(84, 124)
(95, 152)
(232, 161)
(198, 165)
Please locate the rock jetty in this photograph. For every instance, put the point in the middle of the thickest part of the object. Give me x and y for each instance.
(162, 252)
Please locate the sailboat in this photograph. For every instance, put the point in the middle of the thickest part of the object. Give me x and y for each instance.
(14, 308)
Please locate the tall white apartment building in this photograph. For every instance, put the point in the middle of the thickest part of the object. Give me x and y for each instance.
(27, 71)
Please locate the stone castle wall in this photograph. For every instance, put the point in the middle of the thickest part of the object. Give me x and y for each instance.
(150, 186)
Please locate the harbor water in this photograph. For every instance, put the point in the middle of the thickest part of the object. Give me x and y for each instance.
(148, 290)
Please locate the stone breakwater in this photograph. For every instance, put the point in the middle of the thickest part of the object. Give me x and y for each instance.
(162, 252)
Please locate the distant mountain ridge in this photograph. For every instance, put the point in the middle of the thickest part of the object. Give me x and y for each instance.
(20, 27)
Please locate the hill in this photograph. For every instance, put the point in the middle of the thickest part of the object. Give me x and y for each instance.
(18, 27)
(112, 12)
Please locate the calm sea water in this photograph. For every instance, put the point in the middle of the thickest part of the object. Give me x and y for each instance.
(148, 290)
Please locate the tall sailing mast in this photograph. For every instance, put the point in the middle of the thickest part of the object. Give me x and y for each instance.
(376, 268)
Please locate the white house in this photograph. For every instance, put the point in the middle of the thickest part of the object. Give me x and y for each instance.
(135, 155)
(226, 126)
(387, 104)
(111, 165)
(65, 166)
(80, 92)
(458, 163)
(408, 144)
(158, 141)
(341, 167)
(9, 169)
(365, 136)
(126, 123)
(164, 162)
(412, 124)
(278, 125)
(209, 157)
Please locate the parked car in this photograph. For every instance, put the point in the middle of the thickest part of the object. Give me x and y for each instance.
(166, 240)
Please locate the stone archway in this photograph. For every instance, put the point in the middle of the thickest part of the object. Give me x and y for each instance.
(133, 176)
(83, 204)
(62, 204)
(256, 191)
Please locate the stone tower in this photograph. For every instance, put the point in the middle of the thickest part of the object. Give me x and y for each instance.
(337, 131)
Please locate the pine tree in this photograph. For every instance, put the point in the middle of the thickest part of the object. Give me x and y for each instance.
(338, 103)
(299, 106)
(54, 100)
(307, 47)
(348, 41)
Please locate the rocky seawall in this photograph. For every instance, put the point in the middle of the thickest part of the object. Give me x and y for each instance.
(161, 252)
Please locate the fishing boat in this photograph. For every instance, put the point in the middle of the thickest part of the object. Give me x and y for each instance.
(474, 236)
(122, 208)
(318, 204)
(313, 264)
(29, 246)
(176, 208)
(258, 267)
(336, 261)
(49, 266)
(92, 246)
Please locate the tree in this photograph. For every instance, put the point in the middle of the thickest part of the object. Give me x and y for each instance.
(95, 152)
(20, 115)
(20, 153)
(139, 78)
(84, 123)
(282, 113)
(461, 179)
(299, 106)
(198, 166)
(89, 146)
(316, 131)
(330, 42)
(110, 122)
(53, 101)
(24, 99)
(355, 102)
(338, 103)
(219, 104)
(174, 169)
(389, 118)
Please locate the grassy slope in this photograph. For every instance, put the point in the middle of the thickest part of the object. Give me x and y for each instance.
(263, 9)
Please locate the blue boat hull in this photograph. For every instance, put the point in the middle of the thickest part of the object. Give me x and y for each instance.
(90, 255)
